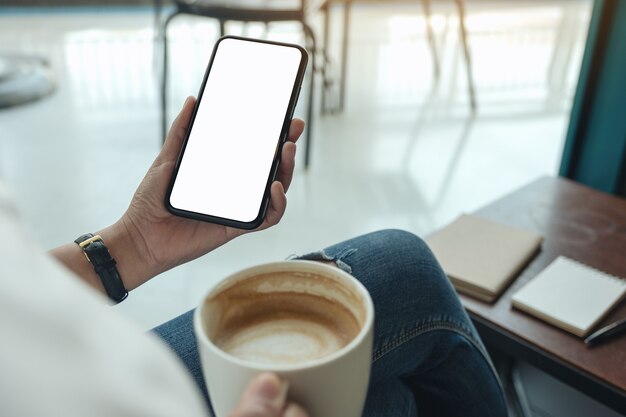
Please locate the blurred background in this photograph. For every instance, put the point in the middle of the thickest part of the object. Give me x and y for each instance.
(421, 111)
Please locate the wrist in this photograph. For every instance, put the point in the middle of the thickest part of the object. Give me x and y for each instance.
(123, 245)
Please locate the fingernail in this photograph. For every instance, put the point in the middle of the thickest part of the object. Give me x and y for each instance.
(269, 386)
(294, 410)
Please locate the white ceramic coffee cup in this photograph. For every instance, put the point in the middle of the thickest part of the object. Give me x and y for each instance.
(334, 385)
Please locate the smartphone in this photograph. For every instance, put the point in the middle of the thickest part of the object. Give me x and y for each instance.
(231, 152)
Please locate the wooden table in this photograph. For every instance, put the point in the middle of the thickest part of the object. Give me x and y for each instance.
(583, 224)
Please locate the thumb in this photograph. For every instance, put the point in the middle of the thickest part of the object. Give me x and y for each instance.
(177, 132)
(264, 397)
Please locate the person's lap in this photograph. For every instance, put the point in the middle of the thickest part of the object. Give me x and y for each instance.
(427, 356)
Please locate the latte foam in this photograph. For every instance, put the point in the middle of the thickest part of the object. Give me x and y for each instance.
(281, 327)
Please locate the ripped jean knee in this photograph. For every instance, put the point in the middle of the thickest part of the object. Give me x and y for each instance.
(380, 248)
(322, 256)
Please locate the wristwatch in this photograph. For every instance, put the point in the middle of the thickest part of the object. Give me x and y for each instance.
(98, 255)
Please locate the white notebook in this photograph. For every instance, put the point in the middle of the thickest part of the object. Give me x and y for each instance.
(570, 295)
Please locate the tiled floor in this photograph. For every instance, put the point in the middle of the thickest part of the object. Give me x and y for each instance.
(405, 153)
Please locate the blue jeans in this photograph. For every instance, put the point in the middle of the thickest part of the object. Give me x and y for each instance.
(428, 359)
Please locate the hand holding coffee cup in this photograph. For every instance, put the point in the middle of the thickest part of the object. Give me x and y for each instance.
(308, 322)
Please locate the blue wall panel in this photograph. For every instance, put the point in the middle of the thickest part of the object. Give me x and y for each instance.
(595, 149)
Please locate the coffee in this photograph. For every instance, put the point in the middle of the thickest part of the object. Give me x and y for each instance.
(285, 318)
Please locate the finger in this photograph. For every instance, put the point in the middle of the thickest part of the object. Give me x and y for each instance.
(287, 165)
(264, 397)
(177, 132)
(294, 410)
(295, 130)
(278, 205)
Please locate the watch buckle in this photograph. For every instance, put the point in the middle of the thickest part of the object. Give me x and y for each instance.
(89, 241)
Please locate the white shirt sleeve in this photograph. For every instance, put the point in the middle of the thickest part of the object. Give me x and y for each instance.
(64, 352)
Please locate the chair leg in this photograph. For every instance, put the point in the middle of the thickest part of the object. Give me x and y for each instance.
(266, 30)
(156, 64)
(309, 122)
(222, 28)
(347, 6)
(164, 78)
(158, 8)
(430, 34)
(468, 61)
(325, 81)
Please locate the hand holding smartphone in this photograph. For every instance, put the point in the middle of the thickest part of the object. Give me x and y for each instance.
(231, 152)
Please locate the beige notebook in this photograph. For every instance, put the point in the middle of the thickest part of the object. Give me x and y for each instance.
(481, 257)
(570, 295)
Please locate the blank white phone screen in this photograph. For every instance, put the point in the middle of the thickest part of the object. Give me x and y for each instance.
(231, 147)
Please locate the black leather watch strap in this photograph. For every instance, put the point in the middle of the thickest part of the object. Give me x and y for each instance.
(97, 253)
